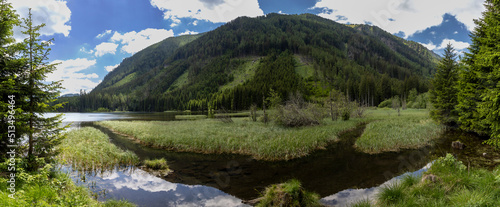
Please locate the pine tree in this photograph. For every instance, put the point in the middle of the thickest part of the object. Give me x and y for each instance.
(44, 132)
(444, 93)
(479, 103)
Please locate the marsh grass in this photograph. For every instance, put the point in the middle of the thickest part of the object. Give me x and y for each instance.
(457, 186)
(413, 129)
(289, 194)
(262, 141)
(89, 149)
(190, 117)
(48, 187)
(156, 164)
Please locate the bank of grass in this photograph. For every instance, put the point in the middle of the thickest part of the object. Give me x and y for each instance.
(289, 194)
(89, 149)
(455, 185)
(190, 117)
(260, 140)
(156, 164)
(47, 187)
(390, 132)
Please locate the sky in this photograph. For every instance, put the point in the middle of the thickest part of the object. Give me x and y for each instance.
(92, 37)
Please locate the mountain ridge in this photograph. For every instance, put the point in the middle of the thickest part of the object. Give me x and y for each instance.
(355, 59)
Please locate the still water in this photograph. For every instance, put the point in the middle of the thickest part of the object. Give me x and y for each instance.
(225, 179)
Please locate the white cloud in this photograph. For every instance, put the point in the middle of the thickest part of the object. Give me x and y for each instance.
(409, 16)
(135, 41)
(458, 45)
(210, 10)
(105, 48)
(54, 13)
(70, 71)
(103, 34)
(429, 46)
(195, 22)
(111, 67)
(188, 32)
(83, 49)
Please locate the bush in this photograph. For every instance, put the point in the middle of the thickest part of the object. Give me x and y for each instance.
(385, 104)
(296, 113)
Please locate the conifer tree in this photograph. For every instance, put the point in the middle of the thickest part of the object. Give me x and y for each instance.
(444, 94)
(478, 97)
(43, 132)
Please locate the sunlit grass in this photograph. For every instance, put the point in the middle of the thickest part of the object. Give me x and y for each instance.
(290, 194)
(48, 187)
(390, 132)
(157, 164)
(456, 185)
(88, 148)
(262, 141)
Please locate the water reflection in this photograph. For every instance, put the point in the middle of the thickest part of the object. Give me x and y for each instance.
(143, 189)
(351, 196)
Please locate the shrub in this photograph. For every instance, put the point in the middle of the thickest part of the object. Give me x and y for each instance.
(296, 113)
(385, 104)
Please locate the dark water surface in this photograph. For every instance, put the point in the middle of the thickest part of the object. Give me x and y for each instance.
(225, 179)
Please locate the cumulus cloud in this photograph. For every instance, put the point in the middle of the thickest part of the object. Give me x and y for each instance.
(210, 10)
(54, 13)
(429, 45)
(408, 16)
(188, 32)
(458, 45)
(71, 72)
(111, 67)
(135, 41)
(103, 34)
(105, 48)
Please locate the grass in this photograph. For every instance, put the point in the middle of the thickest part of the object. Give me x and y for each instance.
(289, 194)
(156, 164)
(390, 132)
(125, 80)
(456, 185)
(88, 149)
(181, 81)
(243, 73)
(190, 117)
(48, 187)
(303, 69)
(262, 141)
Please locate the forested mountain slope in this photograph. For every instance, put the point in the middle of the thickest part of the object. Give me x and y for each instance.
(238, 63)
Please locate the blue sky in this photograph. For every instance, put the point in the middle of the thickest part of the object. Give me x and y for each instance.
(92, 37)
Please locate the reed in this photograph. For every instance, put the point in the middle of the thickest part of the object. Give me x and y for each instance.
(262, 141)
(90, 149)
(413, 129)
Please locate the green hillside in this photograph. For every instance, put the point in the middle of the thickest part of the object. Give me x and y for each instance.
(238, 63)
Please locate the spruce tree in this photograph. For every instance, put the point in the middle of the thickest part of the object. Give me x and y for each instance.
(479, 102)
(44, 133)
(444, 94)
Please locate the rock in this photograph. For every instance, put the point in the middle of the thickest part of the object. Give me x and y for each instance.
(432, 178)
(457, 145)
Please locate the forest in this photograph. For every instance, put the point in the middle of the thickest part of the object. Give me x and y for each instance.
(192, 72)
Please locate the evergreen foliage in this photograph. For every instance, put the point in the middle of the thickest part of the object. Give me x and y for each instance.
(478, 97)
(365, 62)
(444, 93)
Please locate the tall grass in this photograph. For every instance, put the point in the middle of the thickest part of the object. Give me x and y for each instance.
(456, 185)
(88, 149)
(289, 194)
(262, 141)
(413, 129)
(48, 187)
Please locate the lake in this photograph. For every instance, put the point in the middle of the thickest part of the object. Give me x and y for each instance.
(226, 179)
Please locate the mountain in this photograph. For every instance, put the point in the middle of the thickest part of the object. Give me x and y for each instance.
(237, 64)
